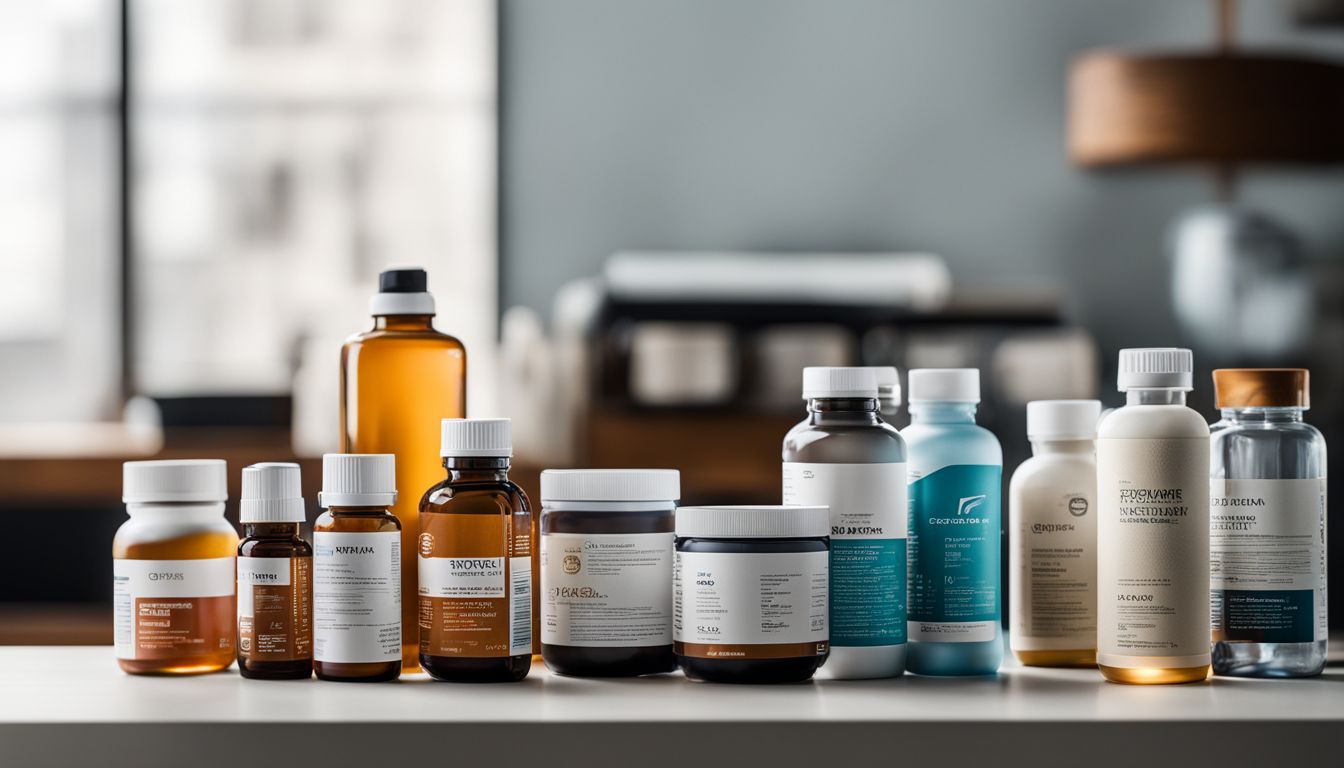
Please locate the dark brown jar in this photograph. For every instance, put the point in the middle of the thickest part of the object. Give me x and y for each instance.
(606, 571)
(275, 567)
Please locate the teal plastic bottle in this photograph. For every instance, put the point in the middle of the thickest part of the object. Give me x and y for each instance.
(955, 474)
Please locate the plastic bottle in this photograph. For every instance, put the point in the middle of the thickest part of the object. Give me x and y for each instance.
(397, 381)
(955, 472)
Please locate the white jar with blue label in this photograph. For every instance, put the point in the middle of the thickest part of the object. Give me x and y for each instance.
(845, 457)
(955, 475)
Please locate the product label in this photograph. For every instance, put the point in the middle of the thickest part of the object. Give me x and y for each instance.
(954, 554)
(868, 527)
(1053, 567)
(606, 590)
(1153, 556)
(356, 597)
(475, 601)
(168, 609)
(1267, 560)
(275, 608)
(750, 606)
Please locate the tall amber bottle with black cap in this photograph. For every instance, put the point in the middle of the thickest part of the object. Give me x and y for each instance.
(399, 380)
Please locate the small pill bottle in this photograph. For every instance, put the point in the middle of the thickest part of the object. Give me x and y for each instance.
(751, 593)
(275, 576)
(173, 569)
(606, 571)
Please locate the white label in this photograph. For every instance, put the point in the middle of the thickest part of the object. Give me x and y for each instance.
(1268, 536)
(133, 579)
(748, 599)
(259, 572)
(867, 501)
(356, 597)
(1052, 559)
(606, 590)
(520, 605)
(1153, 552)
(468, 577)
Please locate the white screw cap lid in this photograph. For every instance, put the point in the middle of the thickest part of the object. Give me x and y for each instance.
(766, 522)
(272, 493)
(479, 438)
(1156, 368)
(610, 485)
(190, 480)
(358, 480)
(1063, 419)
(888, 383)
(839, 382)
(949, 385)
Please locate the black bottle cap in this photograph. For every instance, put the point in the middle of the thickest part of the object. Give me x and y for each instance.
(403, 281)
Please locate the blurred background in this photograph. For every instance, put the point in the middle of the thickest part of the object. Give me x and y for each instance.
(643, 218)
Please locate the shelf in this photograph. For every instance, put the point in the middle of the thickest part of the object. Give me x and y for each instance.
(60, 703)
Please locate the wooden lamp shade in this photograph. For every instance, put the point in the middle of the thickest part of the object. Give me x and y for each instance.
(1220, 108)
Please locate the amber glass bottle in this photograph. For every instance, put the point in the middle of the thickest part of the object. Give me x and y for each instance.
(397, 381)
(475, 561)
(275, 577)
(357, 572)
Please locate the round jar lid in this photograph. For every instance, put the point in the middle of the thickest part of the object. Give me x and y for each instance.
(757, 522)
(610, 485)
(174, 480)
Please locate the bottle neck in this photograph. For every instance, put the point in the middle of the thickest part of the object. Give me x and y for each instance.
(403, 322)
(271, 530)
(843, 410)
(1155, 397)
(1263, 415)
(476, 469)
(942, 413)
(358, 511)
(1053, 446)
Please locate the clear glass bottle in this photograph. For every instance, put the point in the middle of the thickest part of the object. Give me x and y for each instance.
(397, 381)
(475, 560)
(1267, 527)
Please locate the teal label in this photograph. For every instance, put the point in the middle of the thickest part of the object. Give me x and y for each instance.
(1265, 616)
(868, 592)
(954, 546)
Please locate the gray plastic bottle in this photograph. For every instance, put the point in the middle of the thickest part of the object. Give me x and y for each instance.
(845, 457)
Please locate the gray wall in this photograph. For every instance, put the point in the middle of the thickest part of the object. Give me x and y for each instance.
(853, 124)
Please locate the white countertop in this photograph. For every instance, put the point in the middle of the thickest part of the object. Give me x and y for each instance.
(82, 686)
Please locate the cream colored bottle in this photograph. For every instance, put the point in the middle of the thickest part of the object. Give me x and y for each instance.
(1153, 526)
(1052, 546)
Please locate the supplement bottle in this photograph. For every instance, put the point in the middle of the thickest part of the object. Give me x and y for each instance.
(606, 570)
(275, 577)
(1153, 526)
(173, 569)
(955, 473)
(357, 571)
(1052, 538)
(844, 457)
(397, 381)
(750, 593)
(475, 560)
(1267, 527)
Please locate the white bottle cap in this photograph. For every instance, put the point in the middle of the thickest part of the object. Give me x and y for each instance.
(888, 384)
(476, 438)
(610, 485)
(945, 385)
(1063, 419)
(272, 493)
(402, 291)
(768, 522)
(358, 480)
(1156, 368)
(839, 382)
(175, 480)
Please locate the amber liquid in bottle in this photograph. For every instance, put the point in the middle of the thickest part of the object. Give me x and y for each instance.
(294, 601)
(477, 513)
(196, 546)
(398, 381)
(358, 520)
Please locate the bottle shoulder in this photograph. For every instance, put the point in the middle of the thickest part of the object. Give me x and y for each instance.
(265, 546)
(840, 443)
(327, 522)
(1153, 421)
(1054, 469)
(500, 497)
(944, 437)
